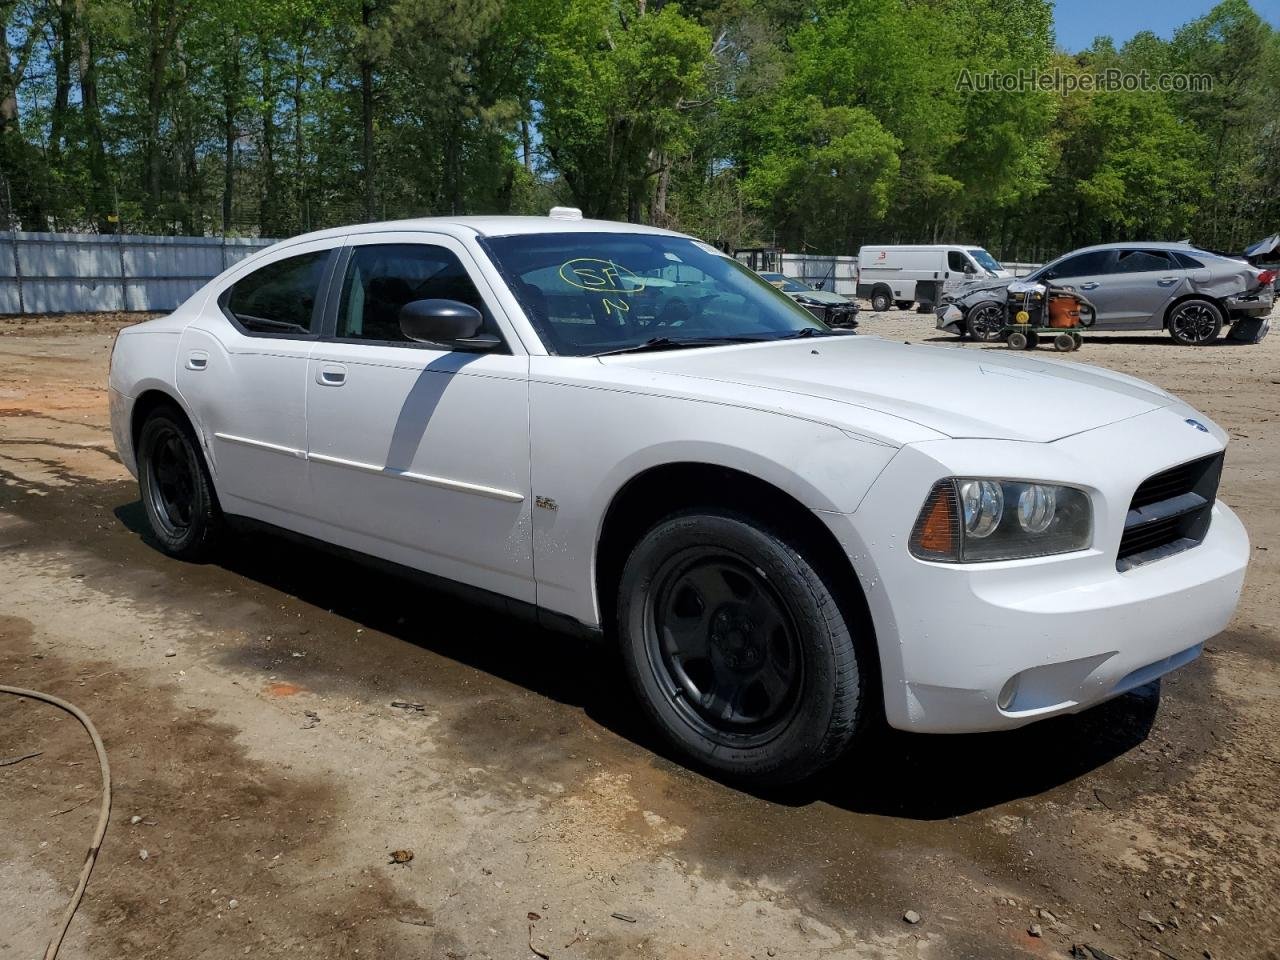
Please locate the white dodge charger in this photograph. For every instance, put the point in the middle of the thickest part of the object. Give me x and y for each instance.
(788, 531)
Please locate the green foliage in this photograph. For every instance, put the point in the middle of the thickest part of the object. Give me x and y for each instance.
(616, 83)
(817, 124)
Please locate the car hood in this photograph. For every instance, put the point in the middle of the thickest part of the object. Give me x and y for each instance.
(822, 296)
(954, 392)
(970, 287)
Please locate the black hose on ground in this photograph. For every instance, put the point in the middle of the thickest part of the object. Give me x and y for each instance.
(55, 943)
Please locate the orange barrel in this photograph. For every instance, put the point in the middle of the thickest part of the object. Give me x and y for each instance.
(1064, 311)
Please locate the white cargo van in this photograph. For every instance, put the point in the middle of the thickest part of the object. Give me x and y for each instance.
(908, 274)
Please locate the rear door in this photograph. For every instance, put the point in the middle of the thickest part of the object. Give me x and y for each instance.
(419, 453)
(242, 370)
(1141, 286)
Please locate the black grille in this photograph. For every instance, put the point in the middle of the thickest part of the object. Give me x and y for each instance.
(1170, 512)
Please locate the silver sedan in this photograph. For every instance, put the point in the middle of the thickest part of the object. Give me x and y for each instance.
(1136, 286)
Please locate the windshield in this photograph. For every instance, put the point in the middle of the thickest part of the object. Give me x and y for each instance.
(590, 293)
(985, 260)
(786, 284)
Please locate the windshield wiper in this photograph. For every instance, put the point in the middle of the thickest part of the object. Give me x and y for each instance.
(804, 332)
(667, 343)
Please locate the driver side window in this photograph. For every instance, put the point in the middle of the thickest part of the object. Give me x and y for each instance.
(382, 278)
(1081, 265)
(957, 262)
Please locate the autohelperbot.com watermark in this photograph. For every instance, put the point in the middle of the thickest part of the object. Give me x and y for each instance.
(1057, 80)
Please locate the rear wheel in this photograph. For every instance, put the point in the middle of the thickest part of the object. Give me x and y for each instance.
(1195, 322)
(177, 492)
(985, 321)
(738, 650)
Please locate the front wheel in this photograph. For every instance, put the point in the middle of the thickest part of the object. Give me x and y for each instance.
(738, 650)
(1195, 322)
(177, 492)
(880, 301)
(985, 321)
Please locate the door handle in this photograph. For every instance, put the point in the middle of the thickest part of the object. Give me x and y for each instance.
(1089, 286)
(197, 360)
(1167, 281)
(331, 375)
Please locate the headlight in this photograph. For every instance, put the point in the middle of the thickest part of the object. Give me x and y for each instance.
(970, 519)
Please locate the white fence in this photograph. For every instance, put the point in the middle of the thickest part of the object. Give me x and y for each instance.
(84, 273)
(835, 274)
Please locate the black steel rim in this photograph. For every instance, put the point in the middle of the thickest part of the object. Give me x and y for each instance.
(1194, 322)
(171, 474)
(986, 322)
(724, 646)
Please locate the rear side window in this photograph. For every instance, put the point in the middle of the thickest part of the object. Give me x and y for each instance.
(1144, 261)
(1187, 262)
(1081, 265)
(382, 278)
(279, 298)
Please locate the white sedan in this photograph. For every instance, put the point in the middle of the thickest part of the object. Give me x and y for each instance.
(788, 531)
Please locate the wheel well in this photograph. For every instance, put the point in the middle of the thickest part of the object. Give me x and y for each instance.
(882, 288)
(661, 491)
(149, 401)
(1164, 322)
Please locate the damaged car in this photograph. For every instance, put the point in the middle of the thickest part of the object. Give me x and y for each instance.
(831, 308)
(1188, 291)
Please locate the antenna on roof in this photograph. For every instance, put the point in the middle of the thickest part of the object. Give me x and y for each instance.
(565, 213)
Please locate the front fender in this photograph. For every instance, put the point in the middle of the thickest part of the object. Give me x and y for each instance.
(587, 444)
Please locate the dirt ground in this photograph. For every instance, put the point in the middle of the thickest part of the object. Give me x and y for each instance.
(247, 710)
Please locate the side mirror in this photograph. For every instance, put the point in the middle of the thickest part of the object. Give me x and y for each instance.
(445, 322)
(970, 268)
(819, 285)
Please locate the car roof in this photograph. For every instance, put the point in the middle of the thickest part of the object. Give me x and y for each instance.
(486, 226)
(1139, 245)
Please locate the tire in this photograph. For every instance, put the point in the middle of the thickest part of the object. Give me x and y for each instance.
(1017, 341)
(903, 304)
(1194, 322)
(737, 649)
(177, 491)
(1064, 343)
(985, 320)
(881, 301)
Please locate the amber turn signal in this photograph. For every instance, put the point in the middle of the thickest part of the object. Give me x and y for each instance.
(937, 531)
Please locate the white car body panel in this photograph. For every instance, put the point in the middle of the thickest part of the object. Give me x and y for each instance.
(497, 471)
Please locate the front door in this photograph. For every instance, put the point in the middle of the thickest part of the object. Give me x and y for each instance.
(1089, 273)
(419, 453)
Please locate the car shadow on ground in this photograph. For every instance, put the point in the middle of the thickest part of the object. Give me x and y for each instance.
(915, 776)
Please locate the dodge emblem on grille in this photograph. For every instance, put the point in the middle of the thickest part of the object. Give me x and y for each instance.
(1198, 425)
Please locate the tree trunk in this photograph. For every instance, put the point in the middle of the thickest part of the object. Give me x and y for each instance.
(661, 190)
(267, 204)
(299, 180)
(100, 198)
(62, 56)
(230, 104)
(366, 109)
(162, 32)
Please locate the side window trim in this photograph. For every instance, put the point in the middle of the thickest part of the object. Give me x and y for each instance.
(333, 301)
(317, 310)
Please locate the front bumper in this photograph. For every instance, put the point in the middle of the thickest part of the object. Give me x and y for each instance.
(1071, 629)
